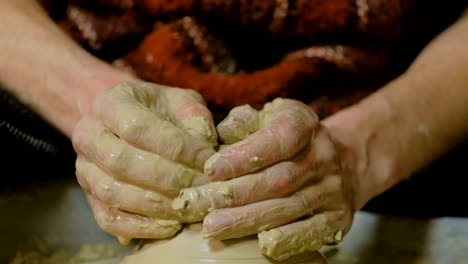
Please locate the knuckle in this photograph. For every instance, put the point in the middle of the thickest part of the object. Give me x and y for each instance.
(101, 186)
(324, 149)
(285, 179)
(300, 115)
(280, 136)
(80, 135)
(155, 203)
(133, 126)
(77, 136)
(105, 192)
(176, 148)
(303, 201)
(310, 199)
(105, 221)
(82, 183)
(304, 111)
(181, 177)
(290, 138)
(171, 143)
(117, 158)
(335, 183)
(82, 172)
(103, 216)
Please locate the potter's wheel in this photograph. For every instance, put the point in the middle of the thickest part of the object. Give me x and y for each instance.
(189, 247)
(56, 212)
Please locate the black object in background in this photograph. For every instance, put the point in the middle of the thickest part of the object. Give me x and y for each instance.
(30, 148)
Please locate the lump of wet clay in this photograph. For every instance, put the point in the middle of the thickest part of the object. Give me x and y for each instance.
(190, 247)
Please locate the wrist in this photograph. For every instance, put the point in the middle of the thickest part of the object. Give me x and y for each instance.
(357, 131)
(75, 87)
(97, 77)
(46, 70)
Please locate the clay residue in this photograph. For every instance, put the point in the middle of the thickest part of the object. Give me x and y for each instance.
(238, 125)
(286, 241)
(255, 163)
(191, 247)
(200, 126)
(273, 243)
(193, 204)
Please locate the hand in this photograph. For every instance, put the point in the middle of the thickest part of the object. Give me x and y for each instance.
(141, 144)
(292, 183)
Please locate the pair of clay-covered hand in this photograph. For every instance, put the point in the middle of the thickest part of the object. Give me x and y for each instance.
(147, 161)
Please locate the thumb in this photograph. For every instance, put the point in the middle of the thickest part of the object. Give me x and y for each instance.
(187, 109)
(241, 122)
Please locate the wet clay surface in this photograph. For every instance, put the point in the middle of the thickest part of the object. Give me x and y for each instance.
(190, 247)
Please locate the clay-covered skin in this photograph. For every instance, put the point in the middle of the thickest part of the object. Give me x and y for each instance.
(301, 236)
(339, 39)
(286, 180)
(140, 145)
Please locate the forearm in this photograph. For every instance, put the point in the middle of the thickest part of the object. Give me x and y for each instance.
(46, 69)
(412, 120)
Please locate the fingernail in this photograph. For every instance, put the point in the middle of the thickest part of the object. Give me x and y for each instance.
(215, 223)
(218, 168)
(206, 230)
(203, 157)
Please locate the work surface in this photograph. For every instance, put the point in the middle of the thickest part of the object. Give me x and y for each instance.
(53, 216)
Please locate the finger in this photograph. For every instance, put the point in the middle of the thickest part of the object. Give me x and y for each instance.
(306, 235)
(126, 226)
(132, 111)
(188, 111)
(120, 195)
(240, 123)
(250, 219)
(286, 127)
(243, 221)
(130, 164)
(276, 181)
